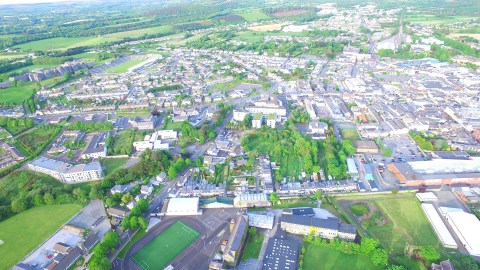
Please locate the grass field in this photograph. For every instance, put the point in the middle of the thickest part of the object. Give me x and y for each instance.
(21, 234)
(35, 140)
(406, 223)
(159, 252)
(15, 95)
(253, 247)
(267, 27)
(409, 264)
(134, 239)
(350, 134)
(123, 67)
(61, 43)
(111, 164)
(253, 15)
(326, 258)
(359, 209)
(297, 202)
(257, 36)
(434, 19)
(224, 87)
(140, 32)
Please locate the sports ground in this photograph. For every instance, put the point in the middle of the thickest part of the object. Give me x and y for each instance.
(165, 247)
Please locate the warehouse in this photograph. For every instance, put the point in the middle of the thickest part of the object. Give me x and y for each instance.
(466, 227)
(438, 226)
(183, 207)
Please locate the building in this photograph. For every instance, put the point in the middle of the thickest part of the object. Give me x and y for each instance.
(352, 168)
(144, 124)
(232, 248)
(369, 147)
(439, 226)
(117, 212)
(252, 200)
(301, 211)
(183, 207)
(466, 226)
(96, 147)
(444, 265)
(328, 228)
(66, 172)
(260, 221)
(281, 253)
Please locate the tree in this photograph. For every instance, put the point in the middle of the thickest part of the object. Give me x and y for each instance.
(396, 267)
(379, 257)
(67, 76)
(19, 205)
(102, 263)
(368, 245)
(394, 191)
(111, 239)
(142, 205)
(127, 197)
(172, 173)
(274, 199)
(252, 232)
(143, 223)
(318, 194)
(109, 202)
(134, 223)
(48, 198)
(126, 223)
(430, 254)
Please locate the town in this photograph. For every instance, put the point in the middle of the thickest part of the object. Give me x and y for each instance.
(256, 136)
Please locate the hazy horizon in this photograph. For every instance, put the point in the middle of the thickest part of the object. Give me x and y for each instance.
(22, 2)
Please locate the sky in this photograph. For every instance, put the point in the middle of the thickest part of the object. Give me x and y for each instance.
(8, 2)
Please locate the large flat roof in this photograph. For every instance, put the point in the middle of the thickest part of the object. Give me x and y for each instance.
(466, 226)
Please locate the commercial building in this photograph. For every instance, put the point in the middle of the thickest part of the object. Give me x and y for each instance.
(252, 200)
(438, 226)
(183, 207)
(466, 226)
(437, 172)
(232, 247)
(66, 172)
(328, 228)
(369, 147)
(281, 253)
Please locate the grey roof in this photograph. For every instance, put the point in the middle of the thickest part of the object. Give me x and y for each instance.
(281, 253)
(90, 240)
(50, 164)
(236, 238)
(329, 223)
(22, 266)
(347, 228)
(71, 257)
(303, 211)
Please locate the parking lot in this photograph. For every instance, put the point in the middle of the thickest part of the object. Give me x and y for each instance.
(403, 148)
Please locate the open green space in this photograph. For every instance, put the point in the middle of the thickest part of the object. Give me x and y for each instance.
(253, 247)
(296, 202)
(253, 15)
(15, 95)
(111, 164)
(257, 36)
(122, 143)
(224, 87)
(359, 209)
(62, 43)
(436, 19)
(25, 231)
(140, 32)
(350, 134)
(36, 140)
(171, 242)
(408, 263)
(325, 257)
(123, 67)
(405, 222)
(172, 125)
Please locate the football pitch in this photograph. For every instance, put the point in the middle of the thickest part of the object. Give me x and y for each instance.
(165, 247)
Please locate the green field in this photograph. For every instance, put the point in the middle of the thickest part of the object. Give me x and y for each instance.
(15, 95)
(159, 252)
(326, 258)
(25, 231)
(36, 140)
(123, 67)
(253, 15)
(298, 202)
(406, 223)
(436, 19)
(224, 87)
(253, 247)
(111, 164)
(140, 32)
(359, 209)
(257, 36)
(350, 134)
(61, 43)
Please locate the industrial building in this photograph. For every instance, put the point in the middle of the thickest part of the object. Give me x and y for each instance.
(466, 226)
(439, 226)
(252, 200)
(281, 253)
(66, 172)
(437, 172)
(183, 207)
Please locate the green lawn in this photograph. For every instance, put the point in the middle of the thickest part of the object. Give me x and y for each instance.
(171, 242)
(62, 43)
(123, 67)
(327, 258)
(140, 32)
(409, 264)
(253, 247)
(25, 231)
(172, 125)
(253, 15)
(298, 202)
(223, 87)
(257, 36)
(35, 140)
(111, 164)
(436, 19)
(406, 223)
(15, 95)
(350, 134)
(359, 209)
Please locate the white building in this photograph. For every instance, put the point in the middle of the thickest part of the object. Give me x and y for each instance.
(438, 226)
(183, 207)
(239, 115)
(167, 134)
(466, 226)
(251, 200)
(66, 172)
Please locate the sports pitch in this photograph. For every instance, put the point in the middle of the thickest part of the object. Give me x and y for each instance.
(165, 247)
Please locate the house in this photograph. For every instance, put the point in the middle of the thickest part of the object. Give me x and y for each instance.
(117, 212)
(119, 189)
(146, 189)
(366, 147)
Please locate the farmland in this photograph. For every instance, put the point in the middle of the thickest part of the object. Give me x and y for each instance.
(253, 15)
(21, 235)
(63, 43)
(434, 19)
(15, 95)
(141, 32)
